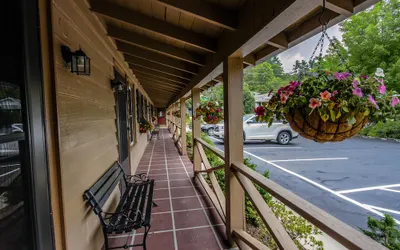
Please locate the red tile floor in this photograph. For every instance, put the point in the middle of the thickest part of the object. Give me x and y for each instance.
(185, 218)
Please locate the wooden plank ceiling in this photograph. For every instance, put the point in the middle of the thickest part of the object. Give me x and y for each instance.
(175, 45)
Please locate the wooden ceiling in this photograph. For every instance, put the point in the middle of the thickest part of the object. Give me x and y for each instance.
(175, 45)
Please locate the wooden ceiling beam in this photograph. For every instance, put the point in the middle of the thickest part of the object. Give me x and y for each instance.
(310, 25)
(279, 41)
(153, 45)
(150, 77)
(159, 75)
(342, 7)
(205, 11)
(138, 62)
(154, 88)
(155, 25)
(161, 85)
(249, 60)
(156, 58)
(265, 52)
(141, 79)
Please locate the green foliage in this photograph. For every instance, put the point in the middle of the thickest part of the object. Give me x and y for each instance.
(301, 231)
(301, 68)
(372, 39)
(388, 129)
(266, 76)
(217, 94)
(384, 231)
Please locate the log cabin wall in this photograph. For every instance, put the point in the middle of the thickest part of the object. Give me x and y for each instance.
(86, 116)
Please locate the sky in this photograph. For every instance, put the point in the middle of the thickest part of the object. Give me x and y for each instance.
(303, 51)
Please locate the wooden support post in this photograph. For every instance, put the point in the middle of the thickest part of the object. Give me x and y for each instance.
(196, 131)
(183, 125)
(233, 135)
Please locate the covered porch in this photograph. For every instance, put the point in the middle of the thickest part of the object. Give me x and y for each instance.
(184, 218)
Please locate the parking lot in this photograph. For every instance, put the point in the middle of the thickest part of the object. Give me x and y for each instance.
(350, 180)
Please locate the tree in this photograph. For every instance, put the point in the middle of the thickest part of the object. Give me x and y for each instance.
(300, 69)
(216, 94)
(260, 78)
(372, 38)
(248, 100)
(276, 66)
(384, 231)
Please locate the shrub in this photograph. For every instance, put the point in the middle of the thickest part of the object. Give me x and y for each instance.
(384, 231)
(388, 129)
(299, 229)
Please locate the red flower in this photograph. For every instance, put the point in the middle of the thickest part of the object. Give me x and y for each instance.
(260, 111)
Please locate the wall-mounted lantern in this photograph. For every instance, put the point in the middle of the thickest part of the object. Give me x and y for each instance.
(80, 62)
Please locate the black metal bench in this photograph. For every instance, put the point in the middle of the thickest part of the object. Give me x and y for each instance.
(134, 209)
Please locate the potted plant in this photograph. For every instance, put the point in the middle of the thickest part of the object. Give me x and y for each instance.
(331, 106)
(211, 112)
(144, 126)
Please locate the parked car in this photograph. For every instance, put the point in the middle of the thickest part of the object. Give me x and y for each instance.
(253, 130)
(208, 129)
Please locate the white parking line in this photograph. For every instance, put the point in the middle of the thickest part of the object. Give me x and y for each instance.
(320, 186)
(390, 190)
(312, 159)
(383, 209)
(367, 189)
(272, 147)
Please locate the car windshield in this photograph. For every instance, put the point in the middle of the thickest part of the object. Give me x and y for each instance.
(246, 117)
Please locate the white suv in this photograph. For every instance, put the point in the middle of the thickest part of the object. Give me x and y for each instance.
(253, 130)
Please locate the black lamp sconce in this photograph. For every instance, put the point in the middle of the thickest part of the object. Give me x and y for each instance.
(119, 82)
(80, 62)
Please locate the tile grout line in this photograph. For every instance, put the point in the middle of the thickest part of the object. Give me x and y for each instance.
(169, 193)
(170, 230)
(151, 156)
(205, 213)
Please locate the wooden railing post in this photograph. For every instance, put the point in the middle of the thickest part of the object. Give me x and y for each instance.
(183, 125)
(196, 131)
(233, 136)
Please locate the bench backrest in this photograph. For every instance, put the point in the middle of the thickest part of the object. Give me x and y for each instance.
(101, 190)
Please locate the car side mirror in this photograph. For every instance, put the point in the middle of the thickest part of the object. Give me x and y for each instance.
(249, 122)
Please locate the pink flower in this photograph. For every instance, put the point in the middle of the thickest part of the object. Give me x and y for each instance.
(382, 89)
(335, 93)
(315, 103)
(325, 95)
(364, 77)
(355, 83)
(372, 101)
(294, 85)
(395, 101)
(342, 75)
(358, 92)
(283, 98)
(260, 111)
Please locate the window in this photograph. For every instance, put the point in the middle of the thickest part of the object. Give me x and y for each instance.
(130, 114)
(138, 105)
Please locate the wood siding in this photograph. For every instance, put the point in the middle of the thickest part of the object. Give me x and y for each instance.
(86, 116)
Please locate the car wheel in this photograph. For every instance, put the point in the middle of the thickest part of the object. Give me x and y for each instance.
(210, 131)
(284, 138)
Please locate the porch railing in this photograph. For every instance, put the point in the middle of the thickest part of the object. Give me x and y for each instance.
(339, 231)
(175, 130)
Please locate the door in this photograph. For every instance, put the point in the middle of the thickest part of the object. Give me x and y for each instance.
(121, 104)
(25, 211)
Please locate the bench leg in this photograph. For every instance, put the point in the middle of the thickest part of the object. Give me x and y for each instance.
(146, 231)
(105, 241)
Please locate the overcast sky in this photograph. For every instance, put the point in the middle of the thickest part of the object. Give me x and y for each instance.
(303, 50)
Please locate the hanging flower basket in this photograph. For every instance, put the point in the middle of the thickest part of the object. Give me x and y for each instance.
(328, 107)
(144, 126)
(211, 112)
(177, 113)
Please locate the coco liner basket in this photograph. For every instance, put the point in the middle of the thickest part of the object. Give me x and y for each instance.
(314, 128)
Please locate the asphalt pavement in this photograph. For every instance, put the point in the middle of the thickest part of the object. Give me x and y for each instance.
(350, 180)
